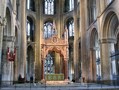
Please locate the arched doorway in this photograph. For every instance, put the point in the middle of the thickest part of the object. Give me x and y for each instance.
(95, 56)
(30, 63)
(107, 42)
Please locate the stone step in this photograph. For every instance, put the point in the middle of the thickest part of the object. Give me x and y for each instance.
(56, 83)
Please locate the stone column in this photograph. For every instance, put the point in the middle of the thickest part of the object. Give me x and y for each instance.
(102, 5)
(107, 46)
(40, 29)
(2, 24)
(66, 68)
(38, 36)
(57, 63)
(22, 67)
(14, 6)
(13, 22)
(76, 44)
(1, 40)
(83, 28)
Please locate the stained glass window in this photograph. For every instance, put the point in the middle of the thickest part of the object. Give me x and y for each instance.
(71, 5)
(49, 7)
(49, 65)
(30, 29)
(31, 5)
(48, 30)
(70, 27)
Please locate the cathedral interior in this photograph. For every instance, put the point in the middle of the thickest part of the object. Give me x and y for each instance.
(59, 40)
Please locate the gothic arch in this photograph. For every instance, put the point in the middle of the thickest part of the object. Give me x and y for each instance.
(7, 30)
(108, 39)
(48, 19)
(32, 16)
(30, 62)
(67, 18)
(54, 44)
(9, 8)
(94, 55)
(30, 29)
(93, 33)
(110, 20)
(56, 49)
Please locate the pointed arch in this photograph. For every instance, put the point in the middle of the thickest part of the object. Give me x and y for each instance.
(7, 30)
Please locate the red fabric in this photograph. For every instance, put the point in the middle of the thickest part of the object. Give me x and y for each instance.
(11, 55)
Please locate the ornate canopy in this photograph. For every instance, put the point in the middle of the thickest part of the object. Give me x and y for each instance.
(55, 44)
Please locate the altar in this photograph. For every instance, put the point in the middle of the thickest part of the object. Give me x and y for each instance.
(54, 70)
(54, 77)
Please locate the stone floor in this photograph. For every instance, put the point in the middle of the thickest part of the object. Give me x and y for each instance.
(70, 86)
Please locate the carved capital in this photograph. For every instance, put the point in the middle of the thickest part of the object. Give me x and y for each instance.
(107, 40)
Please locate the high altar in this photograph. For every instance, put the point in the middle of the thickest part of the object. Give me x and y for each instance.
(60, 46)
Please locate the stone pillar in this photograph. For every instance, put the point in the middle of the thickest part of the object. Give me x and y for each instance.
(22, 64)
(40, 29)
(38, 36)
(57, 63)
(76, 44)
(1, 40)
(66, 68)
(83, 28)
(14, 6)
(107, 46)
(2, 24)
(102, 5)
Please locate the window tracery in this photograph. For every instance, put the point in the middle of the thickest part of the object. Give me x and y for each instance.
(48, 30)
(49, 7)
(70, 26)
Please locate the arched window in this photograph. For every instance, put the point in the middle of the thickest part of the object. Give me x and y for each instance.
(49, 7)
(92, 10)
(48, 29)
(30, 29)
(70, 26)
(69, 5)
(31, 5)
(7, 30)
(97, 52)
